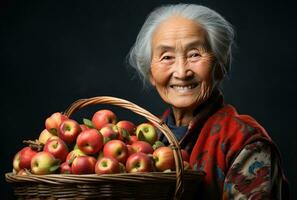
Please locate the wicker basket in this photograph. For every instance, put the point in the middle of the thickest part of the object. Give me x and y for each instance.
(153, 185)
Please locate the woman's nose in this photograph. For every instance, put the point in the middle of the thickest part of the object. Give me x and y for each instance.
(181, 69)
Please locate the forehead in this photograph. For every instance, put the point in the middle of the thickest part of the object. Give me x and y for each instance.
(177, 29)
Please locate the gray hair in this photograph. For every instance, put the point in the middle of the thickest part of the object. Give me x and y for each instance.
(220, 36)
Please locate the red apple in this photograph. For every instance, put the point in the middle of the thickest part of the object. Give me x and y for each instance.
(127, 125)
(130, 150)
(107, 165)
(69, 130)
(83, 127)
(65, 168)
(185, 155)
(44, 163)
(133, 138)
(26, 155)
(44, 136)
(147, 132)
(73, 154)
(116, 149)
(103, 117)
(53, 122)
(164, 158)
(109, 132)
(142, 146)
(90, 141)
(83, 165)
(139, 162)
(57, 148)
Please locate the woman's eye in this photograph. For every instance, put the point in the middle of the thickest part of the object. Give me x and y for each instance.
(194, 56)
(166, 57)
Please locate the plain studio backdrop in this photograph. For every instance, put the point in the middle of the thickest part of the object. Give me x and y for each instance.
(53, 53)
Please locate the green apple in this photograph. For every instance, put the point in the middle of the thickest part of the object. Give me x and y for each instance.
(44, 163)
(147, 132)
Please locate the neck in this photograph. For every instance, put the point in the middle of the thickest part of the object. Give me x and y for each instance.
(182, 116)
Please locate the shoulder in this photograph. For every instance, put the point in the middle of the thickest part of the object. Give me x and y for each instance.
(229, 114)
(233, 131)
(231, 124)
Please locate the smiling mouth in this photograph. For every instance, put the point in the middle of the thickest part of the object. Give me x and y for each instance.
(184, 88)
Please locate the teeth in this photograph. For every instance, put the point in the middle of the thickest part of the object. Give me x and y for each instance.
(183, 87)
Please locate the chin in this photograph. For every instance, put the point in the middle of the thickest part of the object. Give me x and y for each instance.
(188, 101)
(185, 103)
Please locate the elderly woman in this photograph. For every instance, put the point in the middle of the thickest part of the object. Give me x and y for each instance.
(184, 51)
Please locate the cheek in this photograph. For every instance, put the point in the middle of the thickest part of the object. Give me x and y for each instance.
(203, 70)
(160, 75)
(206, 75)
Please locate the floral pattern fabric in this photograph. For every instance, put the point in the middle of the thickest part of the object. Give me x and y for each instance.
(251, 175)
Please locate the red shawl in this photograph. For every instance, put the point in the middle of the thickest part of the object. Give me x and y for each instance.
(220, 140)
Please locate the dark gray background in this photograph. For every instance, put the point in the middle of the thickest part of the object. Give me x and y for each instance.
(54, 52)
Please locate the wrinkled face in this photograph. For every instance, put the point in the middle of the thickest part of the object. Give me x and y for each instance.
(181, 63)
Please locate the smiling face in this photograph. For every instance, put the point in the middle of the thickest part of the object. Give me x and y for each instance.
(181, 63)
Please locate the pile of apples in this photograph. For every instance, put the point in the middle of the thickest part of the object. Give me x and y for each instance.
(102, 145)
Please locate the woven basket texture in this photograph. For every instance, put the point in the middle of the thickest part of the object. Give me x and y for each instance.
(179, 184)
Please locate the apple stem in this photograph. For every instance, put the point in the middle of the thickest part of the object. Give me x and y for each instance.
(34, 145)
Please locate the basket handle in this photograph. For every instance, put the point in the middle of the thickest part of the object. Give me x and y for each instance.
(81, 103)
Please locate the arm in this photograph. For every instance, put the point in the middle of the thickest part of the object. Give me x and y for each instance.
(253, 175)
